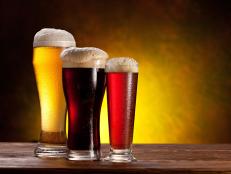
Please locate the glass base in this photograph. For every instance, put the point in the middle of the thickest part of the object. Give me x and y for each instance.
(120, 155)
(50, 151)
(83, 155)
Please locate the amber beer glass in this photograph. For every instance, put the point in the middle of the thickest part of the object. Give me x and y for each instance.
(122, 76)
(48, 44)
(84, 86)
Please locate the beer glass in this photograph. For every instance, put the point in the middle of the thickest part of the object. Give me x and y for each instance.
(84, 87)
(47, 46)
(121, 77)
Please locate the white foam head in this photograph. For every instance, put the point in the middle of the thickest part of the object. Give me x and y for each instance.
(86, 57)
(53, 37)
(121, 64)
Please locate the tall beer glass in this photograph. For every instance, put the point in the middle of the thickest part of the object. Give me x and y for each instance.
(84, 86)
(48, 44)
(122, 76)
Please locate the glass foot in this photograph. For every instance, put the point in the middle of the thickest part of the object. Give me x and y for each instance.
(83, 155)
(120, 155)
(50, 151)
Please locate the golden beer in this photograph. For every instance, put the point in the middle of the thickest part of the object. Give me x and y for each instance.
(48, 72)
(48, 44)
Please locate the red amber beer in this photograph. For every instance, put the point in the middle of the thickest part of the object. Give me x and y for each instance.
(122, 76)
(48, 44)
(84, 86)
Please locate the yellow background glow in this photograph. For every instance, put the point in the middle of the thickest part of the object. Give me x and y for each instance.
(184, 55)
(184, 67)
(184, 63)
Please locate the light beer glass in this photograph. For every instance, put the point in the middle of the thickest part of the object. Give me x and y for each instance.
(47, 46)
(121, 77)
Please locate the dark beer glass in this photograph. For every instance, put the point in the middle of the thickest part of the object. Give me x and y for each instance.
(84, 87)
(122, 76)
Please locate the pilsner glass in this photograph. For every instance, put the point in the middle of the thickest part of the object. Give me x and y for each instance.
(84, 86)
(48, 44)
(121, 77)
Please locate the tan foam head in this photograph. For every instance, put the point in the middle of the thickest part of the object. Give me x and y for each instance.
(121, 64)
(86, 57)
(53, 37)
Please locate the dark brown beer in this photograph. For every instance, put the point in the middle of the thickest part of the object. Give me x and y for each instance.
(84, 90)
(84, 85)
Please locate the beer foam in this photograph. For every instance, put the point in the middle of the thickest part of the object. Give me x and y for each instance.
(122, 64)
(53, 37)
(85, 57)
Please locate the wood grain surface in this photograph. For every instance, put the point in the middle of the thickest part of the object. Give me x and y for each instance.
(19, 158)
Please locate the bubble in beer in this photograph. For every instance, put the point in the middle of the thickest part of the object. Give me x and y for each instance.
(53, 37)
(86, 57)
(122, 64)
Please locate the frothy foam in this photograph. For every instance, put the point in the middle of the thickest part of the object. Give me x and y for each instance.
(121, 64)
(53, 37)
(85, 57)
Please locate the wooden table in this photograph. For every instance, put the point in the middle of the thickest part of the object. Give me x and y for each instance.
(18, 158)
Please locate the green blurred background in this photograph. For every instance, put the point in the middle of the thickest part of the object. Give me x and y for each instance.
(182, 46)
